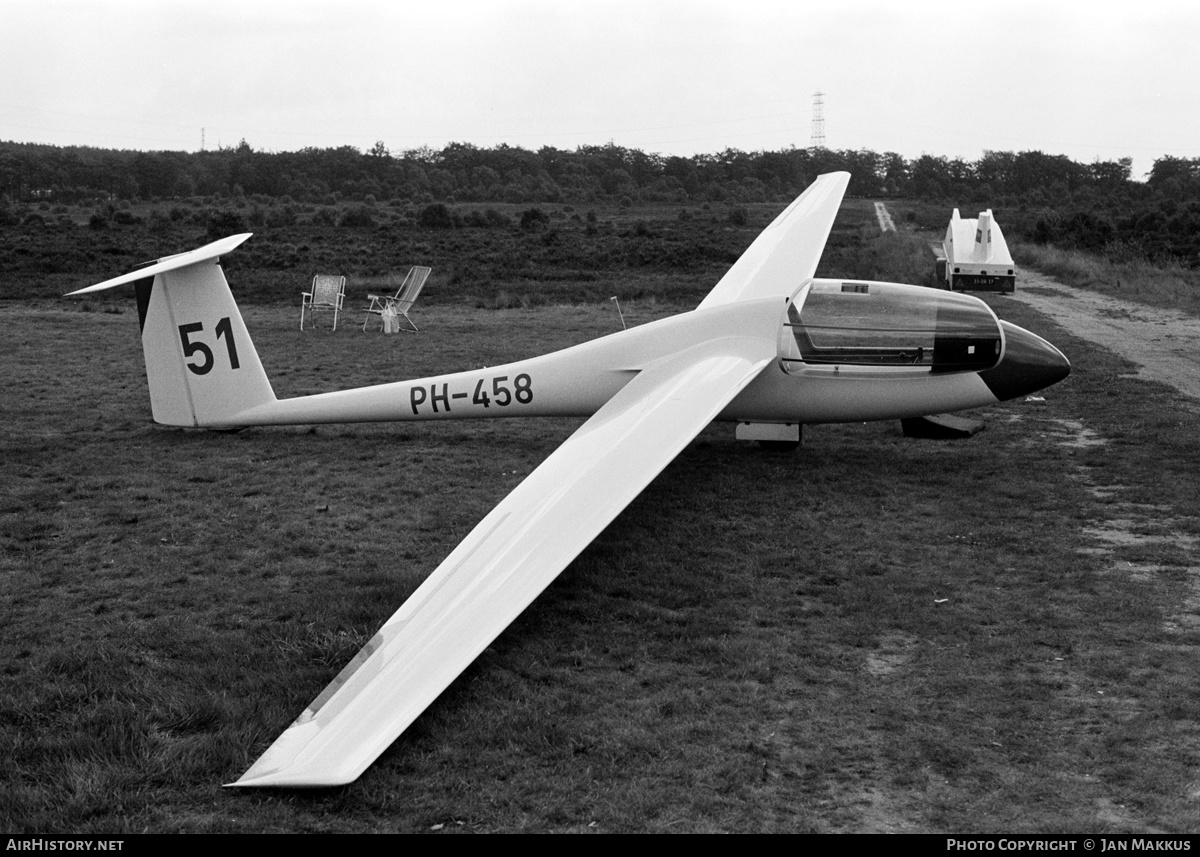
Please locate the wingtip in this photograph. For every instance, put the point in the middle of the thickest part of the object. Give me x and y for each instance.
(292, 780)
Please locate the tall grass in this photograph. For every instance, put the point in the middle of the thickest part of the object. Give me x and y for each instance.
(898, 257)
(858, 250)
(1158, 283)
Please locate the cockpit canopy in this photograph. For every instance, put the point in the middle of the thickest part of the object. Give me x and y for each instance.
(850, 323)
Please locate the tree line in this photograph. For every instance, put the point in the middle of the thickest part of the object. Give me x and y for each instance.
(466, 173)
(1044, 197)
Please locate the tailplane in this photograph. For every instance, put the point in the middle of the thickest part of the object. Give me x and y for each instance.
(201, 366)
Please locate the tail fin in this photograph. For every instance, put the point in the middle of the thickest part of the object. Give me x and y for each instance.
(202, 367)
(983, 236)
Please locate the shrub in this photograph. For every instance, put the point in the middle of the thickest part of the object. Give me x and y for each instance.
(357, 218)
(495, 218)
(281, 216)
(159, 222)
(534, 220)
(435, 216)
(223, 223)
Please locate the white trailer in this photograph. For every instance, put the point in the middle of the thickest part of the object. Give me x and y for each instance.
(975, 256)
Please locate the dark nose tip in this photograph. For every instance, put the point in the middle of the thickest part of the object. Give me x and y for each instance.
(1030, 363)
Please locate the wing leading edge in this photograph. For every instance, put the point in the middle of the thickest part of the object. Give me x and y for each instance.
(786, 253)
(510, 557)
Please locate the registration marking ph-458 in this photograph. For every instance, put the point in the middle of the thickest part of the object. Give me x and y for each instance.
(501, 395)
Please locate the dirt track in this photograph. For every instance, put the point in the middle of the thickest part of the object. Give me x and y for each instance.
(1165, 343)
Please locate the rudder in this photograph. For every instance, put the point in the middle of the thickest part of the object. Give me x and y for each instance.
(201, 366)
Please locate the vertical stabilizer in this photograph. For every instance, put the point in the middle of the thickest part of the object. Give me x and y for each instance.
(201, 366)
(983, 237)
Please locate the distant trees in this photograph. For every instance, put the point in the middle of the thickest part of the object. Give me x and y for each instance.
(1041, 196)
(462, 172)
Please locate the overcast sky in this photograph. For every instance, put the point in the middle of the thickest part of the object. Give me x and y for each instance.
(1091, 80)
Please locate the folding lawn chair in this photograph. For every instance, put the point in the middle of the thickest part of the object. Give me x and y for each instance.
(397, 305)
(328, 292)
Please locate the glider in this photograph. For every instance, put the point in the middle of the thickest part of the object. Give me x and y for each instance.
(770, 348)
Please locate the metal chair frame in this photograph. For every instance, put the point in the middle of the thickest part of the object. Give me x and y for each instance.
(402, 301)
(327, 295)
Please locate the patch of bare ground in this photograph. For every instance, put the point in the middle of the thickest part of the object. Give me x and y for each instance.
(1147, 543)
(893, 652)
(1164, 343)
(1136, 537)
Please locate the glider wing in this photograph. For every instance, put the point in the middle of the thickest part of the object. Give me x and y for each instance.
(786, 253)
(509, 558)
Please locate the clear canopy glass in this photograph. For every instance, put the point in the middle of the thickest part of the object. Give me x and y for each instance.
(888, 324)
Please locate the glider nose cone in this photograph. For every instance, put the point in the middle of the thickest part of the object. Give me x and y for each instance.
(1030, 364)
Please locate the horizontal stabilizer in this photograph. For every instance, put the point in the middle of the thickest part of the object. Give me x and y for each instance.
(171, 263)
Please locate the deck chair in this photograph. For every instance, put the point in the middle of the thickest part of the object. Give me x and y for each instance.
(397, 305)
(328, 292)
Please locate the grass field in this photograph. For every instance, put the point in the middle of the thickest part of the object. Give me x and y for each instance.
(871, 634)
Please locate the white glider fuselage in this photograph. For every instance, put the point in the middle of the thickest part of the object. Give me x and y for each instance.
(578, 381)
